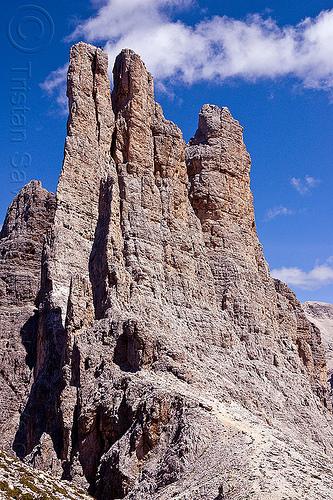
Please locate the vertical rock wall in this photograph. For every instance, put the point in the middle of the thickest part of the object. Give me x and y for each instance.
(85, 170)
(163, 348)
(27, 222)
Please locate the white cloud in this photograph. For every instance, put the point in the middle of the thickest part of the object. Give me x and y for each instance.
(319, 276)
(304, 186)
(299, 186)
(214, 49)
(55, 83)
(163, 89)
(275, 211)
(311, 181)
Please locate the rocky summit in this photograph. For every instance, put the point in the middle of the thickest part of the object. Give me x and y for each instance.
(147, 354)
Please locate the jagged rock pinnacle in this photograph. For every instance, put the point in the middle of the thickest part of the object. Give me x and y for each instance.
(168, 364)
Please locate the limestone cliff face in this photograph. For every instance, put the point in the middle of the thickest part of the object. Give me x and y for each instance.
(65, 301)
(85, 170)
(306, 335)
(218, 168)
(163, 347)
(27, 222)
(321, 315)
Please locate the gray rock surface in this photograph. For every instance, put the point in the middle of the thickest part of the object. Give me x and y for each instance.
(306, 336)
(28, 219)
(321, 315)
(168, 362)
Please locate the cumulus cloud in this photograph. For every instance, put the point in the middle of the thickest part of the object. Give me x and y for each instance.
(216, 49)
(55, 83)
(275, 211)
(319, 276)
(304, 186)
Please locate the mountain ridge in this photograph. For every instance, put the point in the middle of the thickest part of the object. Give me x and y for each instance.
(161, 348)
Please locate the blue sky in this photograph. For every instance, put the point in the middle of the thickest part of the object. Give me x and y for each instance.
(269, 62)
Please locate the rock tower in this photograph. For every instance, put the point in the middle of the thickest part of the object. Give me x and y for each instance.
(148, 354)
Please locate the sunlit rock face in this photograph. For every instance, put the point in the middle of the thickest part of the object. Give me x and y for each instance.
(321, 315)
(167, 363)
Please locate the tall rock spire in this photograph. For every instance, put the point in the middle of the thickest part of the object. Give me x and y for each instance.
(218, 167)
(162, 238)
(168, 365)
(86, 165)
(66, 304)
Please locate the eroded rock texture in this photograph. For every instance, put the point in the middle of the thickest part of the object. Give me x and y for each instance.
(28, 219)
(321, 314)
(306, 336)
(167, 364)
(218, 168)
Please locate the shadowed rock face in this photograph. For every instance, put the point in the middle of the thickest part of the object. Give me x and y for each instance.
(167, 362)
(28, 219)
